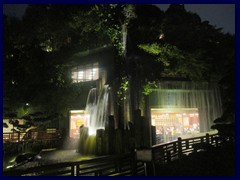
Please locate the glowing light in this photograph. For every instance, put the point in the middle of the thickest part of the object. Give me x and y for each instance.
(77, 118)
(173, 122)
(91, 131)
(77, 111)
(80, 75)
(49, 49)
(9, 167)
(85, 73)
(161, 36)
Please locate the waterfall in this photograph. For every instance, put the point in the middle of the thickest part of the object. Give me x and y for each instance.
(97, 109)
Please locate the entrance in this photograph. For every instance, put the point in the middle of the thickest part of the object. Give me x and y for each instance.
(77, 119)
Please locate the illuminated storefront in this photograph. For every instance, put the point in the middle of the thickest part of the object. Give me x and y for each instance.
(77, 119)
(182, 108)
(172, 123)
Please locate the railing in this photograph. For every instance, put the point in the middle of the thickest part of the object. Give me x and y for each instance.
(22, 141)
(13, 137)
(30, 135)
(164, 153)
(123, 165)
(120, 165)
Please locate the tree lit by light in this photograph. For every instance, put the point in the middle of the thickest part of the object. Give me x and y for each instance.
(161, 36)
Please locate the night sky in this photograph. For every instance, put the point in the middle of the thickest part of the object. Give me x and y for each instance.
(219, 15)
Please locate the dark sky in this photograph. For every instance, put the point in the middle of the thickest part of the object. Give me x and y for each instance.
(219, 15)
(14, 9)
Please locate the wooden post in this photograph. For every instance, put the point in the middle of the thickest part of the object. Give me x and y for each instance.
(187, 144)
(134, 164)
(168, 156)
(207, 138)
(72, 170)
(179, 148)
(153, 132)
(78, 170)
(100, 142)
(111, 135)
(174, 147)
(216, 139)
(212, 139)
(12, 136)
(138, 128)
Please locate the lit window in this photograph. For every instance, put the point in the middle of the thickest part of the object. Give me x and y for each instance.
(77, 119)
(172, 123)
(84, 73)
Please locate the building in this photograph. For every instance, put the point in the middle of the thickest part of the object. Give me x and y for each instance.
(176, 107)
(89, 70)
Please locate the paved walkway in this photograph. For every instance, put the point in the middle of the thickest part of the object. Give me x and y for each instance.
(49, 156)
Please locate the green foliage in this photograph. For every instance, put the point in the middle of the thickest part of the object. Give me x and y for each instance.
(201, 43)
(112, 19)
(101, 24)
(148, 88)
(33, 70)
(121, 93)
(176, 62)
(165, 53)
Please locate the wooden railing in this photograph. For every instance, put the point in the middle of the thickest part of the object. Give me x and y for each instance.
(164, 153)
(118, 165)
(124, 165)
(22, 141)
(31, 135)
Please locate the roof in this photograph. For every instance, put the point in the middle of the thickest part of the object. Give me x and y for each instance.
(104, 53)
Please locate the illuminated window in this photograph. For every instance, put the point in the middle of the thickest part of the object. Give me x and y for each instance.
(77, 119)
(172, 123)
(84, 73)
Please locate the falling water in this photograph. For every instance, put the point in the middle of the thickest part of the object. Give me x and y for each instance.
(204, 96)
(97, 109)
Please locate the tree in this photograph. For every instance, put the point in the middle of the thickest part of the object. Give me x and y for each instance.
(148, 43)
(198, 51)
(189, 47)
(30, 73)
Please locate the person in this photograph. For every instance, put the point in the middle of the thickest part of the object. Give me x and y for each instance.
(161, 134)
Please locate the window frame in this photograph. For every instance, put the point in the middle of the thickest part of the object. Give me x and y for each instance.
(85, 72)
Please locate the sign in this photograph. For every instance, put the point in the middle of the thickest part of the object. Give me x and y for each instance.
(144, 155)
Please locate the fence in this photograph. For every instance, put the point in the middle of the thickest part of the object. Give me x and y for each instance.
(118, 165)
(164, 153)
(22, 141)
(31, 135)
(127, 164)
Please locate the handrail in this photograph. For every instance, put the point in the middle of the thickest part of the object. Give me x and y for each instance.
(166, 152)
(113, 165)
(125, 164)
(34, 135)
